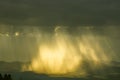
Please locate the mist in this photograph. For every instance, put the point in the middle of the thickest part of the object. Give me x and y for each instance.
(60, 49)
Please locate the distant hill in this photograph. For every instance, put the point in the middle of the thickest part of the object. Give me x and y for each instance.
(10, 66)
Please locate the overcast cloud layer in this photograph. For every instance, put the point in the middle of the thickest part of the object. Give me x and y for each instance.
(60, 12)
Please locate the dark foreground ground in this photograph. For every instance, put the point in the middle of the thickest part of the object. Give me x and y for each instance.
(32, 76)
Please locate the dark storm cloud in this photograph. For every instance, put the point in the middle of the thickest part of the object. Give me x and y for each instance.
(60, 12)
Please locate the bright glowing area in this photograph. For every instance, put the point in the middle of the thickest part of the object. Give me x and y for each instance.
(17, 33)
(65, 54)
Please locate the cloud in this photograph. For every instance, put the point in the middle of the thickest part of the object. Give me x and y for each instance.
(60, 12)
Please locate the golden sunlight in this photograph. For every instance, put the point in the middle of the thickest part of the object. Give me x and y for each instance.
(61, 55)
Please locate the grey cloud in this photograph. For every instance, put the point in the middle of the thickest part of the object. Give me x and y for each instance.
(59, 12)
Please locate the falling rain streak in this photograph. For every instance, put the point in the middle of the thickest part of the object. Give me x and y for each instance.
(67, 54)
(60, 50)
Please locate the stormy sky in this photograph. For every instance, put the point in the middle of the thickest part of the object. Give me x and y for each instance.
(60, 12)
(25, 24)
